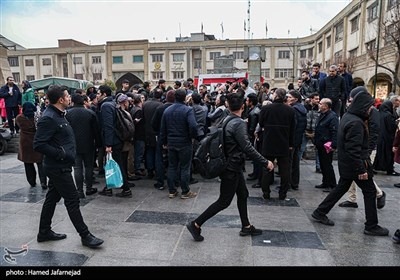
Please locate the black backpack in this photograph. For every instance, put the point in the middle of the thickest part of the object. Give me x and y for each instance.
(125, 127)
(210, 159)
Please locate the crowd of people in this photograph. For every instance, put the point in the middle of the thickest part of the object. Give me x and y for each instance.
(74, 131)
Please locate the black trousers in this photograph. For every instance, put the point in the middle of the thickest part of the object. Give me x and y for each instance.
(284, 172)
(294, 163)
(12, 113)
(84, 163)
(325, 161)
(30, 173)
(231, 183)
(61, 185)
(369, 193)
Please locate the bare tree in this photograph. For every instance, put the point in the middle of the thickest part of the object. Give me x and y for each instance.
(390, 32)
(306, 64)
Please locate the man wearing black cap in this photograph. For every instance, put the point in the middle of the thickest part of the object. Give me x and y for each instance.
(354, 165)
(125, 87)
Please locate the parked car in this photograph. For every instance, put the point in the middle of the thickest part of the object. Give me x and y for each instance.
(5, 136)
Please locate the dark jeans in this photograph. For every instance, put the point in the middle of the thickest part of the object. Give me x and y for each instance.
(82, 160)
(369, 193)
(294, 163)
(182, 158)
(284, 172)
(160, 170)
(150, 154)
(231, 183)
(325, 161)
(61, 185)
(121, 158)
(12, 113)
(139, 152)
(30, 173)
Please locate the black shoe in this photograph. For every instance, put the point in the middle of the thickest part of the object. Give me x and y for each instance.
(130, 185)
(397, 185)
(91, 241)
(327, 189)
(134, 178)
(193, 181)
(396, 237)
(348, 204)
(250, 175)
(318, 170)
(101, 172)
(252, 178)
(125, 193)
(321, 186)
(159, 186)
(295, 188)
(256, 186)
(377, 231)
(150, 174)
(381, 201)
(81, 194)
(90, 191)
(266, 196)
(44, 186)
(195, 231)
(282, 196)
(322, 218)
(393, 173)
(106, 192)
(50, 235)
(250, 231)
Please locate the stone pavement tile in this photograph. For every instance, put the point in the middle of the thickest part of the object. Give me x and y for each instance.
(147, 231)
(129, 248)
(123, 261)
(45, 258)
(27, 195)
(110, 211)
(9, 208)
(273, 201)
(363, 257)
(164, 204)
(154, 217)
(221, 247)
(298, 239)
(268, 238)
(280, 256)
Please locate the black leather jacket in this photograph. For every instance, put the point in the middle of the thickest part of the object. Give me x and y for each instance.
(237, 145)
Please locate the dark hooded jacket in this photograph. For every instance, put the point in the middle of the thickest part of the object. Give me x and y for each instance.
(353, 147)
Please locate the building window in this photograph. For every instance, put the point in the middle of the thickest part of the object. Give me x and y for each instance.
(353, 53)
(214, 55)
(339, 32)
(283, 54)
(178, 57)
(157, 75)
(303, 53)
(78, 60)
(157, 57)
(137, 59)
(372, 11)
(17, 77)
(78, 76)
(328, 42)
(389, 31)
(177, 75)
(265, 73)
(47, 76)
(392, 3)
(327, 64)
(13, 61)
(238, 55)
(354, 23)
(96, 59)
(117, 60)
(371, 45)
(283, 73)
(197, 63)
(320, 47)
(311, 52)
(97, 76)
(46, 61)
(30, 77)
(28, 62)
(338, 57)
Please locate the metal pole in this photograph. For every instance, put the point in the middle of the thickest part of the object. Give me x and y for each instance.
(377, 47)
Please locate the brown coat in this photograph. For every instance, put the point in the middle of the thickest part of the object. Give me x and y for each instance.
(27, 133)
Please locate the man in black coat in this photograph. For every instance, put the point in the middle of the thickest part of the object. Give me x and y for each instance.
(12, 98)
(55, 139)
(354, 165)
(277, 121)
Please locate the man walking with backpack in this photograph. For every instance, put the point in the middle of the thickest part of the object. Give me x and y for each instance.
(237, 146)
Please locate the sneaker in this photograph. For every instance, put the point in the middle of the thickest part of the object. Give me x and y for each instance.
(348, 204)
(250, 231)
(159, 186)
(377, 231)
(322, 218)
(190, 194)
(125, 193)
(195, 231)
(381, 201)
(396, 237)
(106, 192)
(173, 195)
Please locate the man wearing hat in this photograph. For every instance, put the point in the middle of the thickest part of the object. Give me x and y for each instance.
(125, 87)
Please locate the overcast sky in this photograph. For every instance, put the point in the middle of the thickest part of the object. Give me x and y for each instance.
(39, 24)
